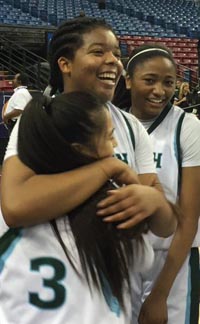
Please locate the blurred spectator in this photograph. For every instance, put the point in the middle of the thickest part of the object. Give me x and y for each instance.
(102, 4)
(178, 85)
(184, 98)
(47, 91)
(17, 102)
(81, 13)
(177, 90)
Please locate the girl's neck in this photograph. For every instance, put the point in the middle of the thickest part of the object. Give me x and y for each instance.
(145, 122)
(134, 111)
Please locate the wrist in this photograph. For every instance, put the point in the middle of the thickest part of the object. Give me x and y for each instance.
(108, 166)
(159, 293)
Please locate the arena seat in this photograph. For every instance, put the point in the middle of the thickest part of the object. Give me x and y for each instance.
(137, 21)
(6, 85)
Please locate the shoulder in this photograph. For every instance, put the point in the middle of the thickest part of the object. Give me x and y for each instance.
(175, 112)
(23, 92)
(132, 120)
(189, 140)
(191, 123)
(190, 128)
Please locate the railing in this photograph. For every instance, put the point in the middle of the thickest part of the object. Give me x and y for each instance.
(188, 74)
(15, 59)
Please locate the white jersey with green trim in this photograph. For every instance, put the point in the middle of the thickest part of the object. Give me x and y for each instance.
(134, 146)
(139, 155)
(36, 285)
(175, 146)
(166, 149)
(39, 285)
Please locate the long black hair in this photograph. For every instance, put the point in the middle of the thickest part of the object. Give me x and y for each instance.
(66, 40)
(46, 132)
(52, 125)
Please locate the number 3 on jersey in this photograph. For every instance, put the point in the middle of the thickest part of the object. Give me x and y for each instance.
(52, 283)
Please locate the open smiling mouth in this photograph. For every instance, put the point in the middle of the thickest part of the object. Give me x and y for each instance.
(156, 101)
(108, 78)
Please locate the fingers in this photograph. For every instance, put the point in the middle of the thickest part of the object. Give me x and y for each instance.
(128, 205)
(118, 210)
(127, 177)
(128, 221)
(132, 221)
(130, 217)
(110, 199)
(123, 207)
(118, 196)
(119, 215)
(126, 208)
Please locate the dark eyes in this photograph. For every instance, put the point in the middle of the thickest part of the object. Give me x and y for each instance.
(101, 52)
(98, 52)
(149, 81)
(167, 83)
(170, 83)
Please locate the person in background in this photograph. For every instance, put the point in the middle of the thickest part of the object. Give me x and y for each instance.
(17, 102)
(178, 85)
(102, 4)
(177, 90)
(47, 91)
(4, 109)
(81, 13)
(184, 98)
(170, 290)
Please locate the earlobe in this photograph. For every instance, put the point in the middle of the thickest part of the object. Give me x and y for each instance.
(64, 64)
(128, 82)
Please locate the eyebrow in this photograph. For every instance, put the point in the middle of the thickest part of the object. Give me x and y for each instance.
(103, 45)
(154, 75)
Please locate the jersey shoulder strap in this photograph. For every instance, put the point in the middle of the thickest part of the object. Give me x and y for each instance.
(129, 129)
(179, 155)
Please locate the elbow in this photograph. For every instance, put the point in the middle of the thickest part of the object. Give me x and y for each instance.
(165, 231)
(171, 228)
(163, 226)
(11, 214)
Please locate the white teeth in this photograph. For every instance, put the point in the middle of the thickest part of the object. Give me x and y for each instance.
(110, 82)
(156, 100)
(106, 75)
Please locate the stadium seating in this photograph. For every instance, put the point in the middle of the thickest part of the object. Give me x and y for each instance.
(6, 81)
(157, 18)
(135, 21)
(6, 85)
